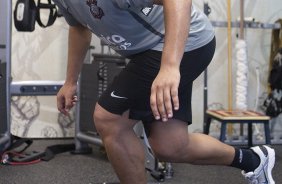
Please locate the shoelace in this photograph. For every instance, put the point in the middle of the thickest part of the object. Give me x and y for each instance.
(252, 179)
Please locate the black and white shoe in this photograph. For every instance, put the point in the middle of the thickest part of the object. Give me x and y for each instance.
(262, 174)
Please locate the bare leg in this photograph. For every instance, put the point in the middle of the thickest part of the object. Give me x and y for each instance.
(124, 149)
(171, 142)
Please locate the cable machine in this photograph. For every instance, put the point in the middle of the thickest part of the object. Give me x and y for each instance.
(22, 88)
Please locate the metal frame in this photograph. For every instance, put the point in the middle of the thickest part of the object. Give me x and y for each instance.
(35, 88)
(5, 139)
(254, 25)
(249, 122)
(23, 88)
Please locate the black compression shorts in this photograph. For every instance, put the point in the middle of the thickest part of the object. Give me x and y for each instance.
(131, 89)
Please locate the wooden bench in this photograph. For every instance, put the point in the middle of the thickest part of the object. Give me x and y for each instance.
(249, 117)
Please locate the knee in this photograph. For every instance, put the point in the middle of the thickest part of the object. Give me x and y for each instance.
(103, 119)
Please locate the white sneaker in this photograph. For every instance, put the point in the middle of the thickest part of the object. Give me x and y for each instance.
(262, 174)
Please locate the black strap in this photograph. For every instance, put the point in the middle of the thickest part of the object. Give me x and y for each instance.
(146, 24)
(51, 151)
(21, 157)
(17, 142)
(1, 75)
(52, 15)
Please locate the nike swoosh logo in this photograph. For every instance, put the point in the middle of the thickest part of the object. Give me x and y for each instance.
(115, 96)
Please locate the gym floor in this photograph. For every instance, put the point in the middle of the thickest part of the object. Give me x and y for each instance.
(94, 168)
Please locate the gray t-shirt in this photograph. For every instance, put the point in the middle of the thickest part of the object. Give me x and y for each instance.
(132, 26)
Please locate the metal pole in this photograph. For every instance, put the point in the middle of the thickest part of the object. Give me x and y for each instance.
(8, 64)
(229, 42)
(207, 11)
(241, 37)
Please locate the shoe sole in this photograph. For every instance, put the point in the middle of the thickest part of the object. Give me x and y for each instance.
(271, 157)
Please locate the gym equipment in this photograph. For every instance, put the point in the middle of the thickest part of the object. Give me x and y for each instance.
(242, 69)
(9, 88)
(94, 79)
(35, 88)
(27, 13)
(4, 134)
(16, 153)
(229, 52)
(243, 117)
(242, 66)
(5, 37)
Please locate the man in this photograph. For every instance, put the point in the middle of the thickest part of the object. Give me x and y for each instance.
(169, 44)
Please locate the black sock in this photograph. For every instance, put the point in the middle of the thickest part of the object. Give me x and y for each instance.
(245, 159)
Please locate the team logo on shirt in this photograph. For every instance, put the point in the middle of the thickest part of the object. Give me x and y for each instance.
(95, 10)
(147, 10)
(116, 42)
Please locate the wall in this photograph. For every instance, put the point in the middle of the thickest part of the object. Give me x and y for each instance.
(41, 55)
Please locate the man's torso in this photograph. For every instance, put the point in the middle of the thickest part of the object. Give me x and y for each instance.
(131, 30)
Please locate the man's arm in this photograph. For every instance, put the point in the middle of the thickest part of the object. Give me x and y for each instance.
(78, 44)
(177, 15)
(79, 41)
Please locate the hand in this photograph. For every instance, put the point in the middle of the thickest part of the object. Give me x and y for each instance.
(164, 93)
(66, 98)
